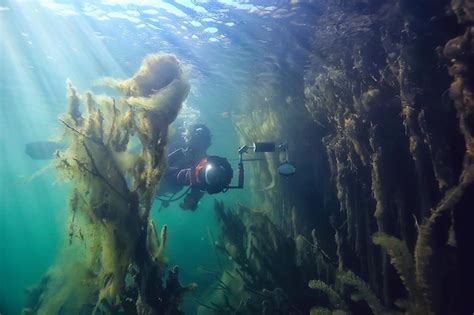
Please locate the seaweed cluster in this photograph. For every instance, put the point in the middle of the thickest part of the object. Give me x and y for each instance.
(114, 261)
(254, 283)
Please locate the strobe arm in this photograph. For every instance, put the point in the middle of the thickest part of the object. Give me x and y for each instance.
(240, 183)
(259, 147)
(241, 174)
(256, 147)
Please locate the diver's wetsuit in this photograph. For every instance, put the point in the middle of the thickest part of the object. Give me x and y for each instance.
(180, 173)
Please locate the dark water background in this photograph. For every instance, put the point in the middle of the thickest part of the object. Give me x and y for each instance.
(228, 47)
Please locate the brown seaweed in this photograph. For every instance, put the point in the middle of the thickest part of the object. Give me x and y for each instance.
(119, 260)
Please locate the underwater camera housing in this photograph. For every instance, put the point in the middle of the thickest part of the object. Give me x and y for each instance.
(285, 168)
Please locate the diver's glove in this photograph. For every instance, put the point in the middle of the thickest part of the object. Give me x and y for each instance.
(189, 203)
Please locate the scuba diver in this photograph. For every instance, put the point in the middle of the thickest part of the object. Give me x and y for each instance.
(191, 167)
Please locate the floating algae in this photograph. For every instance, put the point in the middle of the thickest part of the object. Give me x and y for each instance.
(118, 264)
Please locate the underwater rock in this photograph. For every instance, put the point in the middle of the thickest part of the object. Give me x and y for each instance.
(392, 141)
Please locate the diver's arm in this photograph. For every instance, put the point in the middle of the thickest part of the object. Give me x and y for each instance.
(191, 200)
